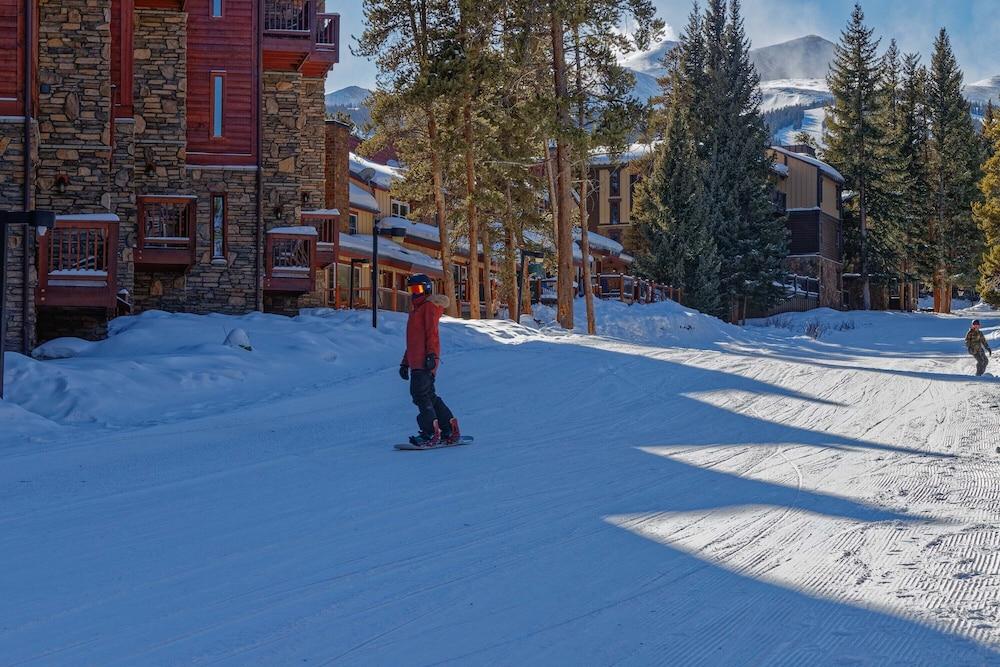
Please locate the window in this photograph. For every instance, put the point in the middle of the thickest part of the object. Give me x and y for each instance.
(615, 183)
(352, 223)
(216, 9)
(615, 213)
(218, 98)
(219, 226)
(400, 209)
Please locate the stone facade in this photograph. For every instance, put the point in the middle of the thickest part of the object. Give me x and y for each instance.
(74, 105)
(338, 193)
(88, 161)
(20, 319)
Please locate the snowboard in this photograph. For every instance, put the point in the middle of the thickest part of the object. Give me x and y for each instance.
(464, 440)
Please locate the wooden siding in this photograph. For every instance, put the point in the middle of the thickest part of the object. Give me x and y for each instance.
(830, 194)
(11, 57)
(222, 45)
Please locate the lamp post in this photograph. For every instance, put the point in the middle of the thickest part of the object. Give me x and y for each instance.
(534, 254)
(41, 221)
(397, 234)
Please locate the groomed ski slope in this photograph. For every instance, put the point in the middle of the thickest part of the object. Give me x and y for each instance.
(679, 491)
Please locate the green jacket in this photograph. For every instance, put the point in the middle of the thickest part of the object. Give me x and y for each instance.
(975, 341)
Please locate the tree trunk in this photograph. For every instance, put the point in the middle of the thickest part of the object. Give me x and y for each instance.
(588, 286)
(511, 279)
(437, 179)
(484, 235)
(563, 178)
(866, 293)
(553, 200)
(472, 216)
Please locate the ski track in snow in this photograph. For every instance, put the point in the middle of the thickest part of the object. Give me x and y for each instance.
(763, 499)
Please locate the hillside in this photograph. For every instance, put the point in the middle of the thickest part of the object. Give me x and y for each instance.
(807, 57)
(351, 101)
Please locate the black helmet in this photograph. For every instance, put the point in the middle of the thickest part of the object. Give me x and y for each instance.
(975, 323)
(419, 284)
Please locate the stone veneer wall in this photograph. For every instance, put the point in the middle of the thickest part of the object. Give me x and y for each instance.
(123, 201)
(337, 169)
(74, 105)
(211, 285)
(312, 159)
(12, 199)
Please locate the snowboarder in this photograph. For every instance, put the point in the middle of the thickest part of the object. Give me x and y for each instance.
(975, 343)
(420, 363)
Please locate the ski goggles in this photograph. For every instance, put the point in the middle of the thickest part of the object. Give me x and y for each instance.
(417, 289)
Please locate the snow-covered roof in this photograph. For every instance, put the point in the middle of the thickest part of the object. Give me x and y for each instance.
(384, 174)
(625, 257)
(601, 156)
(780, 169)
(324, 212)
(599, 242)
(363, 199)
(420, 230)
(301, 230)
(819, 164)
(88, 217)
(362, 243)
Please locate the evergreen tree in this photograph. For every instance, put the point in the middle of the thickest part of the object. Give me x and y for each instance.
(853, 136)
(914, 150)
(987, 215)
(670, 218)
(955, 240)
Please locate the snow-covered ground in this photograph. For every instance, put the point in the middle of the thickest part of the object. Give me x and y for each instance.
(677, 491)
(781, 93)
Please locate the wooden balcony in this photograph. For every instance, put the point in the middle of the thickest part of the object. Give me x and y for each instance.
(300, 37)
(78, 262)
(325, 221)
(167, 233)
(290, 260)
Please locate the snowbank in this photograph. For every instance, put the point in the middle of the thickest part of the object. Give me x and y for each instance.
(664, 323)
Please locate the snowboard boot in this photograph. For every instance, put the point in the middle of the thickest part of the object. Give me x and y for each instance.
(427, 439)
(455, 434)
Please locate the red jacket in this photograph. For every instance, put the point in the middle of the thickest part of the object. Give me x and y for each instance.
(422, 330)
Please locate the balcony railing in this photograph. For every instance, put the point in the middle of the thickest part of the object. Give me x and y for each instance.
(78, 263)
(290, 261)
(288, 16)
(328, 31)
(167, 232)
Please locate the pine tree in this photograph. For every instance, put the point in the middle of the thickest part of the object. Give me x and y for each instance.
(987, 215)
(955, 240)
(914, 152)
(670, 217)
(853, 136)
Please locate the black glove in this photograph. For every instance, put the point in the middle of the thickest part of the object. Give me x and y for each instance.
(404, 371)
(430, 362)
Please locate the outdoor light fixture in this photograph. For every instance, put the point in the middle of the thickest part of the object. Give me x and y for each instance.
(62, 181)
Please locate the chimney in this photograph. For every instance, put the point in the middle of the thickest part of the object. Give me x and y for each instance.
(804, 149)
(338, 170)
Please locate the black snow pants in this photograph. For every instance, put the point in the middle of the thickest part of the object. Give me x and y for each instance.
(981, 362)
(429, 403)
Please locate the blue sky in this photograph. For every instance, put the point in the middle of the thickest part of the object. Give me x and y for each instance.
(974, 26)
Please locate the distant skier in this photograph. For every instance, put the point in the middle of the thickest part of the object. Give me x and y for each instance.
(420, 363)
(975, 343)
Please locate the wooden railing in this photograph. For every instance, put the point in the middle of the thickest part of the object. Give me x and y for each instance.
(290, 262)
(78, 264)
(611, 286)
(328, 32)
(286, 16)
(167, 232)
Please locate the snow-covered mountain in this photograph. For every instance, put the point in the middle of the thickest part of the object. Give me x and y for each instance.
(649, 62)
(983, 91)
(351, 101)
(807, 57)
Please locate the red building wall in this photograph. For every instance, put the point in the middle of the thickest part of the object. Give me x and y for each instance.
(11, 57)
(222, 45)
